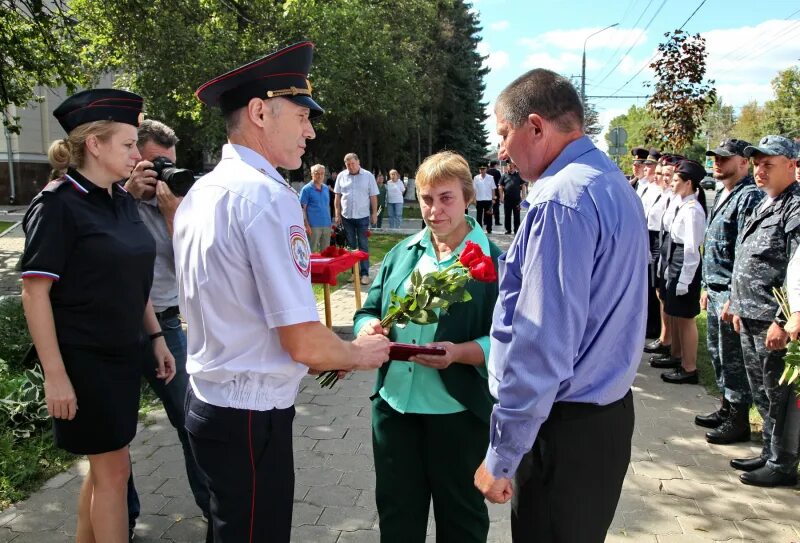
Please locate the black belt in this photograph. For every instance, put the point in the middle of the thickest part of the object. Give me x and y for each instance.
(168, 313)
(571, 410)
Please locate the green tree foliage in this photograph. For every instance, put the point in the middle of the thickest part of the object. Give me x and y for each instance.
(719, 122)
(37, 47)
(642, 131)
(680, 96)
(373, 72)
(591, 121)
(783, 113)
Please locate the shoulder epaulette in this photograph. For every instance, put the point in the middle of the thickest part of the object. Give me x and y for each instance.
(55, 184)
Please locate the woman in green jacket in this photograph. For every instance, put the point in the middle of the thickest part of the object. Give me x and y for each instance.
(430, 415)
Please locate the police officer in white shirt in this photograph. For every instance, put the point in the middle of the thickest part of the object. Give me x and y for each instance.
(242, 261)
(484, 197)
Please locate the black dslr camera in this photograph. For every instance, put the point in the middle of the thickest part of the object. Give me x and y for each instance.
(178, 180)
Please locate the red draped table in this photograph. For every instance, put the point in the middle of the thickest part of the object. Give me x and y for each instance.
(326, 266)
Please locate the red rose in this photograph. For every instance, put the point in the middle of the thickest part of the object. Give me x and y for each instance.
(483, 270)
(471, 254)
(369, 233)
(330, 252)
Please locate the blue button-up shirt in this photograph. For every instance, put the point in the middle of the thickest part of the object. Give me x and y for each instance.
(570, 318)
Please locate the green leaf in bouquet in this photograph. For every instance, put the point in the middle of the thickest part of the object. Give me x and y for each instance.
(437, 302)
(785, 374)
(795, 374)
(416, 278)
(466, 296)
(425, 316)
(423, 298)
(430, 279)
(394, 298)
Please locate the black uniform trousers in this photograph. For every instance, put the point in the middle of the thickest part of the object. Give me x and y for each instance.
(483, 214)
(511, 209)
(567, 487)
(246, 457)
(653, 328)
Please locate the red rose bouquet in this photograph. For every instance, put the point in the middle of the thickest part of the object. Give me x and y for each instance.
(434, 290)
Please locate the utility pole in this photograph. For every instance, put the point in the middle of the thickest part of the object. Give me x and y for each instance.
(583, 63)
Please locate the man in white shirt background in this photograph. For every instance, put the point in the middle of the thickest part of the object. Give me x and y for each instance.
(484, 197)
(356, 205)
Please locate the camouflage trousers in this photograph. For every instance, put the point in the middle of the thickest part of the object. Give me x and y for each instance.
(776, 403)
(725, 350)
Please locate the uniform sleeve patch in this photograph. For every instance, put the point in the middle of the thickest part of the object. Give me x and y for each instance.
(300, 250)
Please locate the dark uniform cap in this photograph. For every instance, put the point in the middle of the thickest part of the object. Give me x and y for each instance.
(729, 147)
(773, 146)
(99, 105)
(283, 73)
(671, 160)
(690, 169)
(639, 153)
(652, 156)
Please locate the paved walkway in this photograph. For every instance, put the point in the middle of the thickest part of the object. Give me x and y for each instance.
(678, 487)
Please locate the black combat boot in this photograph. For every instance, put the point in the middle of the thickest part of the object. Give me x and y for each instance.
(734, 429)
(713, 420)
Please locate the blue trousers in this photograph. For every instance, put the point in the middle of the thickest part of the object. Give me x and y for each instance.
(395, 215)
(173, 397)
(356, 232)
(725, 351)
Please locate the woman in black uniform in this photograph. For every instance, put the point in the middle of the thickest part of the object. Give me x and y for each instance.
(682, 293)
(86, 276)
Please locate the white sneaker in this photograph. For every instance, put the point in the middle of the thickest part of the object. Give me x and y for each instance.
(365, 280)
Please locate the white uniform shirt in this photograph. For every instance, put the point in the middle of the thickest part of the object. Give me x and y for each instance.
(356, 191)
(484, 187)
(643, 187)
(242, 260)
(656, 211)
(649, 196)
(688, 229)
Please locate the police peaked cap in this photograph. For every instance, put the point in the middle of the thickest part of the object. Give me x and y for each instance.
(99, 105)
(652, 156)
(639, 153)
(691, 170)
(283, 73)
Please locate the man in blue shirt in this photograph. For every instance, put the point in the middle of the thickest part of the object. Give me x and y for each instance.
(568, 325)
(315, 198)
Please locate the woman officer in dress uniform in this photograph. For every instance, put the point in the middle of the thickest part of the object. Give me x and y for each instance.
(87, 269)
(682, 293)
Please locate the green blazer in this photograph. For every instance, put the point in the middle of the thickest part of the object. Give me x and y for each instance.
(463, 322)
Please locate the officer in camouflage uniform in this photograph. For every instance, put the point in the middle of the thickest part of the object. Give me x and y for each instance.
(726, 218)
(767, 243)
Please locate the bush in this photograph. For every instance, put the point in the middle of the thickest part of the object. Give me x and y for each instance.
(14, 336)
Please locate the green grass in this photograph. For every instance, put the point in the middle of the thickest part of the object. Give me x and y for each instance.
(379, 245)
(25, 464)
(411, 212)
(706, 371)
(4, 225)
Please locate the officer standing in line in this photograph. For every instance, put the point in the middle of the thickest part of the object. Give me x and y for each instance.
(652, 195)
(770, 238)
(157, 205)
(242, 258)
(639, 156)
(732, 205)
(666, 355)
(495, 173)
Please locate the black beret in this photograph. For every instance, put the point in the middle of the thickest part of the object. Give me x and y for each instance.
(283, 73)
(639, 153)
(99, 105)
(694, 171)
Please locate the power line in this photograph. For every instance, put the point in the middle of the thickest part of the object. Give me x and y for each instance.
(620, 46)
(646, 64)
(748, 44)
(663, 2)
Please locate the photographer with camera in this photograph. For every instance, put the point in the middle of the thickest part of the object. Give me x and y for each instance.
(158, 187)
